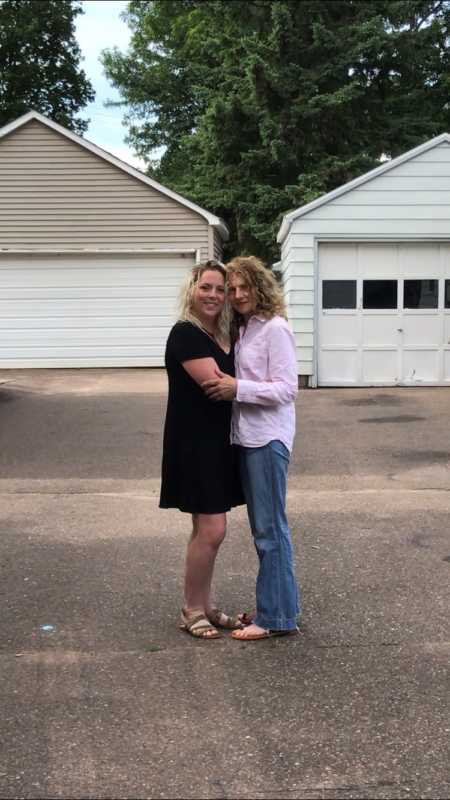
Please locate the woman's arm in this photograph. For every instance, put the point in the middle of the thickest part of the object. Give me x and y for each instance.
(201, 369)
(281, 384)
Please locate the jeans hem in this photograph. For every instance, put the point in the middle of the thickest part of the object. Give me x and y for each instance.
(272, 624)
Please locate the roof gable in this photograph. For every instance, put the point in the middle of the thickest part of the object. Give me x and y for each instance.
(212, 219)
(410, 155)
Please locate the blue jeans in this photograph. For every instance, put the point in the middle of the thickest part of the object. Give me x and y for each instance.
(264, 477)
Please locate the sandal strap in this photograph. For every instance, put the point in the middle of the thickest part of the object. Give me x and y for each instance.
(198, 624)
(218, 617)
(246, 618)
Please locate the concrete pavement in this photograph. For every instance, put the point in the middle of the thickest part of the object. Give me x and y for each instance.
(102, 696)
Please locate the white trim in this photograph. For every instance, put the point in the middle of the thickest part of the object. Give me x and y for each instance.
(288, 219)
(314, 378)
(321, 237)
(216, 222)
(95, 251)
(391, 237)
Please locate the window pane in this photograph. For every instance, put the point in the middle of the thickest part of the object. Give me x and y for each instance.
(420, 294)
(447, 294)
(339, 294)
(380, 294)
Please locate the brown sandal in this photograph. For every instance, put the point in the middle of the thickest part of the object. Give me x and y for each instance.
(246, 618)
(198, 625)
(222, 620)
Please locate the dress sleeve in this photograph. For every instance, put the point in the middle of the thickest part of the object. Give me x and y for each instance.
(186, 342)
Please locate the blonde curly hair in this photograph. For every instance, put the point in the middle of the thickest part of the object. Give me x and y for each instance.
(186, 298)
(269, 296)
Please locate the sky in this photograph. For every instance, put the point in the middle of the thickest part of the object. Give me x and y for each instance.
(98, 28)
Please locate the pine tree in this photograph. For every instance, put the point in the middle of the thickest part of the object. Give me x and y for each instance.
(261, 106)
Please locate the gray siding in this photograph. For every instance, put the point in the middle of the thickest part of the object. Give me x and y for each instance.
(54, 193)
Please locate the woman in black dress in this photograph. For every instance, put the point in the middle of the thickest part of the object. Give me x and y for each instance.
(199, 470)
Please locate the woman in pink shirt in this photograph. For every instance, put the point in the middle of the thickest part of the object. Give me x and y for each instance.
(263, 426)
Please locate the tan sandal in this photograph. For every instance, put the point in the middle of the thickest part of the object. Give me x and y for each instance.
(222, 620)
(246, 636)
(198, 626)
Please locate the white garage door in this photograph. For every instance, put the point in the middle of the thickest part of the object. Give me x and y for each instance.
(384, 314)
(88, 310)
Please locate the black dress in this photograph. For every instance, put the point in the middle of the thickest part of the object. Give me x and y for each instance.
(200, 468)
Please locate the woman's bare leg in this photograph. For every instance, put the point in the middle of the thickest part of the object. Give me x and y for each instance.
(207, 535)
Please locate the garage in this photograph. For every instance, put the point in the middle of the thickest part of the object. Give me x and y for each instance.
(384, 314)
(88, 311)
(92, 252)
(366, 276)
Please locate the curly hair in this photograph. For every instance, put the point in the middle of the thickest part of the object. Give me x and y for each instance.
(269, 295)
(186, 296)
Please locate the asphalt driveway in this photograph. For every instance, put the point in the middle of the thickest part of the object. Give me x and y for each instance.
(103, 697)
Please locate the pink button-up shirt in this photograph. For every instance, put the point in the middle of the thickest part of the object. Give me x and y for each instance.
(267, 384)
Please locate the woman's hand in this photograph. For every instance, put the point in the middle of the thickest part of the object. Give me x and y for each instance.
(224, 387)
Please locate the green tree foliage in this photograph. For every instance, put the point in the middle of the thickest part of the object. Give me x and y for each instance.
(261, 106)
(39, 62)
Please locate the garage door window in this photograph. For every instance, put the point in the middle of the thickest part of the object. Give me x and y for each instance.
(379, 294)
(420, 294)
(447, 294)
(339, 294)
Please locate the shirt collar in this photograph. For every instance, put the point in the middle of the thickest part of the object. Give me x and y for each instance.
(257, 317)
